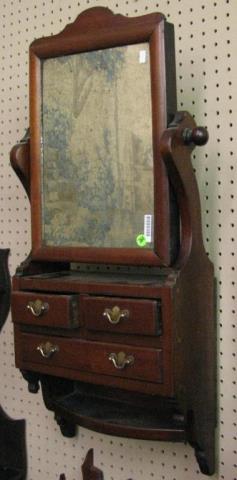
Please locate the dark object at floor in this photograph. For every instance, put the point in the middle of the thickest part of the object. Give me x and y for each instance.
(5, 287)
(12, 448)
(89, 471)
(12, 432)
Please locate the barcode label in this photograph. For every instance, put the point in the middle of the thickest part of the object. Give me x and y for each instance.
(148, 228)
(142, 56)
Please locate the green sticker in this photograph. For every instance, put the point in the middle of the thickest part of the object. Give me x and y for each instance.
(141, 240)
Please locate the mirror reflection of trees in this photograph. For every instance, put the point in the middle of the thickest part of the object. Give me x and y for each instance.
(95, 166)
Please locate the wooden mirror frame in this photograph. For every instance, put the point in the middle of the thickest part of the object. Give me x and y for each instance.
(98, 28)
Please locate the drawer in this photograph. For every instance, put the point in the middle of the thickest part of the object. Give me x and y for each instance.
(94, 357)
(121, 315)
(43, 309)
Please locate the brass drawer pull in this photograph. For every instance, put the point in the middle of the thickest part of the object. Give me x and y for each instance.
(37, 307)
(120, 360)
(47, 349)
(114, 315)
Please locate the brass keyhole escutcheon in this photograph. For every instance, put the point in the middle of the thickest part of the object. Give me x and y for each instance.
(47, 349)
(114, 315)
(121, 360)
(37, 307)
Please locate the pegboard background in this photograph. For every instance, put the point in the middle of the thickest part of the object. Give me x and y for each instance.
(206, 73)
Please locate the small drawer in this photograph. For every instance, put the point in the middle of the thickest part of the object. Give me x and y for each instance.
(94, 357)
(121, 315)
(42, 309)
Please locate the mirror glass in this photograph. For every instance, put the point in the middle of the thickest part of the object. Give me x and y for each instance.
(96, 154)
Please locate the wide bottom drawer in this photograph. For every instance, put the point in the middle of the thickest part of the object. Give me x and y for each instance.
(95, 357)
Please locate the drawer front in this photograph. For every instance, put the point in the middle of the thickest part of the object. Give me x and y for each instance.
(40, 309)
(95, 357)
(121, 315)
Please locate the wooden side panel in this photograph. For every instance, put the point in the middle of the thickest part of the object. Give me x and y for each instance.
(193, 297)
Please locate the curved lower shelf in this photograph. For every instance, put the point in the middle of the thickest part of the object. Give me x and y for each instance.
(93, 409)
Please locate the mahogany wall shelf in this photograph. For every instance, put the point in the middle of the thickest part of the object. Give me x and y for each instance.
(121, 339)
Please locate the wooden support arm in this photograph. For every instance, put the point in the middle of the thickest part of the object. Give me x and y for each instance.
(20, 161)
(194, 305)
(177, 144)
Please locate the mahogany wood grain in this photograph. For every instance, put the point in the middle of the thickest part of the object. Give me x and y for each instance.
(96, 29)
(117, 285)
(92, 284)
(194, 315)
(60, 310)
(177, 369)
(143, 316)
(93, 357)
(149, 425)
(186, 294)
(20, 161)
